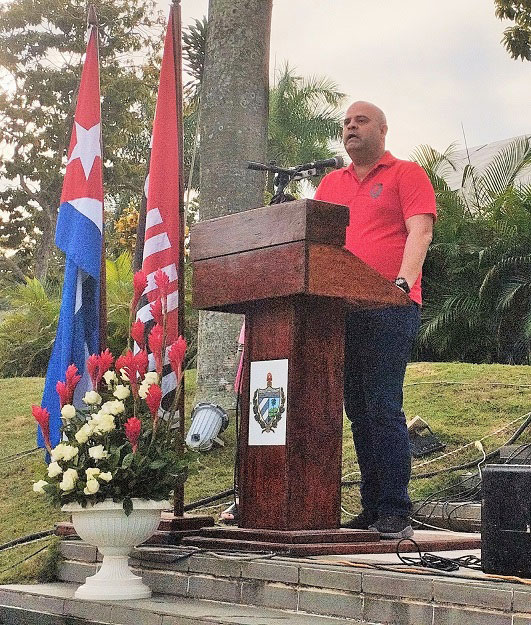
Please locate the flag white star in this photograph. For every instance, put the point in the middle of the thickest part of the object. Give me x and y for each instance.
(87, 147)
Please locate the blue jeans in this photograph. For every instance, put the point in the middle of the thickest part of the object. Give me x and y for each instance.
(377, 347)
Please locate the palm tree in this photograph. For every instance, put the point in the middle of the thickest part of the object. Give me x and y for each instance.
(478, 278)
(233, 128)
(304, 118)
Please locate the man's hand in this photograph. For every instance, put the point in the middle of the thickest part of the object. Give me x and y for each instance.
(420, 231)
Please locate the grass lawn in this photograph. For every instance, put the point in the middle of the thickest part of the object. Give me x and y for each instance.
(461, 402)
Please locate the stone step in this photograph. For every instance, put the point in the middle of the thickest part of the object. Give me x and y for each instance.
(331, 587)
(54, 604)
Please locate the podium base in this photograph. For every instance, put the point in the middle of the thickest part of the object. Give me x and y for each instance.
(320, 542)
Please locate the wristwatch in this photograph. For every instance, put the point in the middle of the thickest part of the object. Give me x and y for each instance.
(401, 283)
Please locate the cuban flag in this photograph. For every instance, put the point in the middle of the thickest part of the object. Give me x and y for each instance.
(162, 235)
(79, 235)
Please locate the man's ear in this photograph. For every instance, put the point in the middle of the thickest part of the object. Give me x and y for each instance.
(383, 129)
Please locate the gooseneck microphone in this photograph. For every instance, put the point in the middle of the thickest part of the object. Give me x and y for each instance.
(336, 162)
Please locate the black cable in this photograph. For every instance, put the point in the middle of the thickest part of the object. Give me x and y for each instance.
(206, 500)
(18, 455)
(26, 539)
(12, 566)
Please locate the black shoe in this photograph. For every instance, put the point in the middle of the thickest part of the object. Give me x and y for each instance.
(392, 526)
(362, 521)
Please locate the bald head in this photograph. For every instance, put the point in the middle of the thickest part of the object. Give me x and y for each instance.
(364, 131)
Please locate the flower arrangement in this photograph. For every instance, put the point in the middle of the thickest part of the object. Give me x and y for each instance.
(121, 444)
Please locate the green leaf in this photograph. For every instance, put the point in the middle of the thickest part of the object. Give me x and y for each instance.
(158, 464)
(128, 506)
(128, 461)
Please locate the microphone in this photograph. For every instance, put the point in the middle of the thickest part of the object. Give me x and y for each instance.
(336, 162)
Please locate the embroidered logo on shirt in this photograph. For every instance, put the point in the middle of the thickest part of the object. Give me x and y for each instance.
(376, 190)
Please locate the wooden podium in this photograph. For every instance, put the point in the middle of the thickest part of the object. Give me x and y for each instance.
(285, 268)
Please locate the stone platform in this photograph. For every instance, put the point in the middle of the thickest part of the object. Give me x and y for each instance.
(193, 587)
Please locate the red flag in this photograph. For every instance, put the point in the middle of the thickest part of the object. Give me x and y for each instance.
(163, 214)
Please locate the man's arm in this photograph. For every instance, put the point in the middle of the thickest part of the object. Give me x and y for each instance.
(420, 231)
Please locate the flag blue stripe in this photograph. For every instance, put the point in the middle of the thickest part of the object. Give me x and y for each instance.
(79, 238)
(76, 333)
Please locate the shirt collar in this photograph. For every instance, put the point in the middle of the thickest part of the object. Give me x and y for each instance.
(386, 160)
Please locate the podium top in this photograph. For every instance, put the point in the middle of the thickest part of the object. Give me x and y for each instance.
(300, 220)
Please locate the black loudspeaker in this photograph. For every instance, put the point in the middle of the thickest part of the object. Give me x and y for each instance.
(506, 520)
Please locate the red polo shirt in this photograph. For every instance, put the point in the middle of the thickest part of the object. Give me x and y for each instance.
(390, 193)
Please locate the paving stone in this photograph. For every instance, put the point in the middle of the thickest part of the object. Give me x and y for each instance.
(19, 616)
(326, 578)
(522, 601)
(208, 587)
(154, 558)
(167, 582)
(464, 593)
(31, 601)
(329, 602)
(122, 615)
(399, 612)
(222, 567)
(69, 571)
(397, 585)
(77, 550)
(458, 616)
(269, 571)
(90, 610)
(522, 619)
(270, 594)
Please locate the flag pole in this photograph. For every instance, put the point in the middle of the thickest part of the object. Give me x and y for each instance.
(178, 501)
(92, 23)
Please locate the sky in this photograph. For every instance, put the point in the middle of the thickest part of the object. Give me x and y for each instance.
(433, 67)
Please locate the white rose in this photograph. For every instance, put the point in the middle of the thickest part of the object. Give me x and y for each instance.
(92, 472)
(121, 391)
(69, 480)
(91, 398)
(70, 452)
(57, 452)
(113, 407)
(105, 476)
(54, 469)
(110, 377)
(93, 486)
(82, 435)
(151, 377)
(38, 486)
(143, 390)
(68, 411)
(97, 452)
(103, 422)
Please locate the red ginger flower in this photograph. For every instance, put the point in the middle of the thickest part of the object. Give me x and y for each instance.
(153, 399)
(132, 431)
(97, 365)
(72, 377)
(134, 366)
(139, 286)
(141, 362)
(65, 396)
(137, 333)
(156, 311)
(176, 355)
(66, 390)
(155, 340)
(42, 416)
(162, 281)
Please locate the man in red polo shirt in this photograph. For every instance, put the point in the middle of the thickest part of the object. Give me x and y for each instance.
(392, 210)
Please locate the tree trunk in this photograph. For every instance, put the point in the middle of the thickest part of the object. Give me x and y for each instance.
(45, 245)
(234, 107)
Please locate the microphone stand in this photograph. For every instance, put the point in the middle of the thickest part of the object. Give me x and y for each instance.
(284, 176)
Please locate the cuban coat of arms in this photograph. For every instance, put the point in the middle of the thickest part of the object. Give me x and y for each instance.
(269, 405)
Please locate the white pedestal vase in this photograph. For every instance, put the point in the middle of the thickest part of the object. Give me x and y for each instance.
(106, 526)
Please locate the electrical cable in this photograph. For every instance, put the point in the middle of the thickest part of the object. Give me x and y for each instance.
(20, 454)
(26, 539)
(12, 566)
(206, 500)
(439, 563)
(449, 383)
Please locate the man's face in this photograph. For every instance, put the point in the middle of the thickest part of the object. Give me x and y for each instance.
(364, 130)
